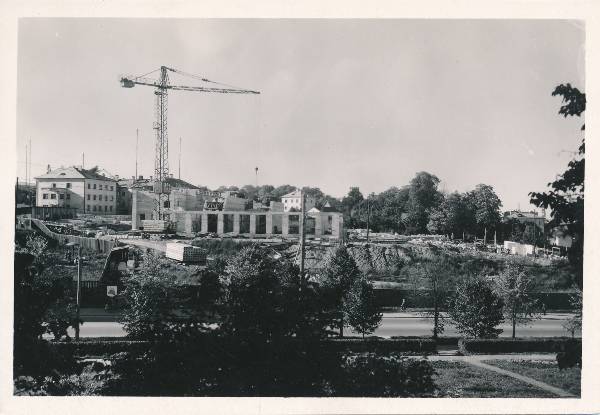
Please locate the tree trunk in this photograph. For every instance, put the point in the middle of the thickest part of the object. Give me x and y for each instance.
(514, 326)
(342, 327)
(435, 318)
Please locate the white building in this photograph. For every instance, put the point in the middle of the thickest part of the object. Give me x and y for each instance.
(293, 202)
(73, 187)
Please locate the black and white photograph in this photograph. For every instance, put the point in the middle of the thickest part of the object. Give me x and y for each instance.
(298, 207)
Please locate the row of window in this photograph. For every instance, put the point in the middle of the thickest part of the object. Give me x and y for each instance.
(53, 196)
(68, 185)
(100, 197)
(99, 186)
(96, 208)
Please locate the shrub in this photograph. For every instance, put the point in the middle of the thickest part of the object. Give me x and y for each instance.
(374, 375)
(570, 355)
(493, 346)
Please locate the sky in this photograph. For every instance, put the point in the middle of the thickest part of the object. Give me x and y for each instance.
(367, 102)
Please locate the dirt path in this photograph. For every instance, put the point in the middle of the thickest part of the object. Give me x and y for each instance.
(477, 360)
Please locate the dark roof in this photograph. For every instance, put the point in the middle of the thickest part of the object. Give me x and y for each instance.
(173, 182)
(90, 174)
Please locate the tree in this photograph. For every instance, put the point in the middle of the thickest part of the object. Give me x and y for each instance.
(152, 297)
(453, 216)
(515, 288)
(360, 310)
(486, 208)
(255, 303)
(437, 274)
(422, 196)
(41, 305)
(574, 323)
(338, 277)
(566, 197)
(475, 309)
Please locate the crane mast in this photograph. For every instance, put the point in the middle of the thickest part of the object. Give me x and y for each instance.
(161, 160)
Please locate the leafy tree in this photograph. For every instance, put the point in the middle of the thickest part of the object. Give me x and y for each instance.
(350, 204)
(437, 274)
(338, 277)
(486, 207)
(152, 298)
(453, 216)
(515, 288)
(255, 296)
(566, 197)
(360, 310)
(574, 323)
(422, 196)
(42, 301)
(475, 309)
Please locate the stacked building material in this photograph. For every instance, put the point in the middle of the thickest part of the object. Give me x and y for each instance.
(154, 225)
(185, 252)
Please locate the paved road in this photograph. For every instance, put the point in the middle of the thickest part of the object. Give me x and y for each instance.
(411, 324)
(393, 324)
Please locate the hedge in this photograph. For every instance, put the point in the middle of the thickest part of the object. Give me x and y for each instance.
(356, 345)
(101, 347)
(522, 345)
(105, 347)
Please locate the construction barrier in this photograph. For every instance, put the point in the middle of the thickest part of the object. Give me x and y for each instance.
(91, 244)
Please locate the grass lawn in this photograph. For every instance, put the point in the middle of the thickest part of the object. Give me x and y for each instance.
(461, 380)
(545, 371)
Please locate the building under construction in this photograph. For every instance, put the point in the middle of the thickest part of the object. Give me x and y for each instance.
(228, 213)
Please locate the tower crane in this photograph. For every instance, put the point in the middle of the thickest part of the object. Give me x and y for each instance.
(161, 158)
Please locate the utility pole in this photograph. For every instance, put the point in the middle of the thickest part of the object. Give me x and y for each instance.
(78, 293)
(368, 217)
(83, 160)
(137, 133)
(26, 163)
(302, 238)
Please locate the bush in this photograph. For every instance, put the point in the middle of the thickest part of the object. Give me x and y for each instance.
(414, 345)
(527, 345)
(570, 355)
(92, 347)
(383, 376)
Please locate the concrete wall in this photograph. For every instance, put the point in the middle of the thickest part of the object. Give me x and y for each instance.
(260, 223)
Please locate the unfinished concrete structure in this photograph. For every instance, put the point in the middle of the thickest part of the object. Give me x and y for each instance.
(221, 217)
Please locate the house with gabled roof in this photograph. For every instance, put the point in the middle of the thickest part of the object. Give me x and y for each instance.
(88, 191)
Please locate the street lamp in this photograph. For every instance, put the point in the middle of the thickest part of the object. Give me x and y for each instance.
(78, 295)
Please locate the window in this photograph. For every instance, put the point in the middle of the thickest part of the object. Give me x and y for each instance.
(68, 185)
(100, 187)
(142, 216)
(68, 196)
(89, 187)
(94, 208)
(53, 196)
(88, 197)
(94, 197)
(112, 188)
(53, 184)
(106, 198)
(62, 196)
(94, 186)
(112, 198)
(88, 208)
(110, 208)
(106, 208)
(45, 196)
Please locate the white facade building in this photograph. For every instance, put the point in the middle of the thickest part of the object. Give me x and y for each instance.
(72, 187)
(293, 202)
